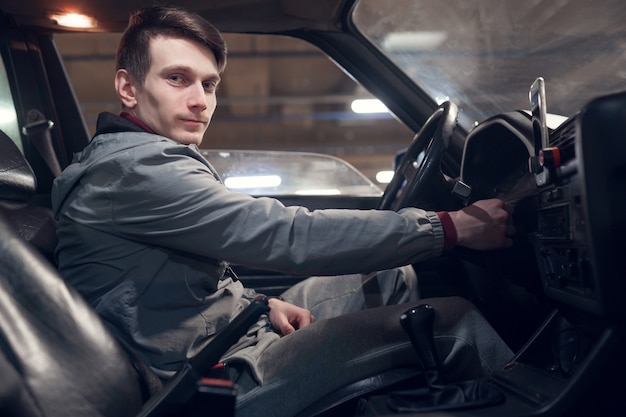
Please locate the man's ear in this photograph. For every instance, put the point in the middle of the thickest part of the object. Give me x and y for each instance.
(124, 85)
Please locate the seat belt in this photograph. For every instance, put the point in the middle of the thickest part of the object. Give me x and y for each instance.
(38, 131)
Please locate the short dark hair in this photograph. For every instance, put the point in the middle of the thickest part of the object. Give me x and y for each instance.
(133, 53)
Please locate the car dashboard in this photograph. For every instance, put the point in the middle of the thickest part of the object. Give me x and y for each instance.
(571, 224)
(573, 221)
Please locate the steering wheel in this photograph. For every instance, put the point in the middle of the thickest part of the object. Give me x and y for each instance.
(421, 178)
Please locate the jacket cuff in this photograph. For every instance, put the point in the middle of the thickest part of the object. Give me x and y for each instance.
(449, 230)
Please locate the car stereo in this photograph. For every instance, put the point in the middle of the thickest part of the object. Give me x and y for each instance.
(563, 255)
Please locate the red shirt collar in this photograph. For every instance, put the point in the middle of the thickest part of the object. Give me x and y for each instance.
(136, 121)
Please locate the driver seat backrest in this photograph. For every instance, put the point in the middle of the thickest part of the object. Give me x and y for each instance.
(32, 220)
(57, 357)
(45, 327)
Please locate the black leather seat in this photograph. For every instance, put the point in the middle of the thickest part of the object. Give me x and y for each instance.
(57, 356)
(58, 359)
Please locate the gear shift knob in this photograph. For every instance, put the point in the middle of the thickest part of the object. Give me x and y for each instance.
(440, 395)
(418, 323)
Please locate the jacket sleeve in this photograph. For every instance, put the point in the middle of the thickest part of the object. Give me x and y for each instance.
(179, 203)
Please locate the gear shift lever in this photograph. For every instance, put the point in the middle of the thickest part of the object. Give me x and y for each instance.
(418, 322)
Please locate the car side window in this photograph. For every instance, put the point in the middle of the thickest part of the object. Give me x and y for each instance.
(277, 93)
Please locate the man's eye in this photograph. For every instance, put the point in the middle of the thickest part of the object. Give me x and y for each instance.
(209, 85)
(176, 78)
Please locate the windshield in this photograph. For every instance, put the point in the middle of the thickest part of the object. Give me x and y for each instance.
(484, 54)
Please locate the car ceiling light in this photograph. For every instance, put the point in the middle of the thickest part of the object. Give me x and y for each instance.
(384, 177)
(253, 181)
(73, 20)
(368, 105)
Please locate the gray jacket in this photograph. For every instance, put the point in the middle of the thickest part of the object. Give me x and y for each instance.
(146, 227)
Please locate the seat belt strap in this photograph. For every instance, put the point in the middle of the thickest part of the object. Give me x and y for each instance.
(38, 131)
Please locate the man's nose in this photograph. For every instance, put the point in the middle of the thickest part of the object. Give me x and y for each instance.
(197, 97)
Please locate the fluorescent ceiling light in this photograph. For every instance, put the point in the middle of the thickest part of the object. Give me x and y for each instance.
(414, 41)
(384, 177)
(255, 181)
(73, 20)
(369, 105)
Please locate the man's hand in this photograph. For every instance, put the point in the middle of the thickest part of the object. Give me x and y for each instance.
(486, 224)
(287, 318)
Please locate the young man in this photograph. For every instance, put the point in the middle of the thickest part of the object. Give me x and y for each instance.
(146, 229)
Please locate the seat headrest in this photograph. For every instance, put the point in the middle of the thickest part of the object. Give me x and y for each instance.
(17, 179)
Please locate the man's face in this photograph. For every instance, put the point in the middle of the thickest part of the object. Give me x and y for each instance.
(177, 98)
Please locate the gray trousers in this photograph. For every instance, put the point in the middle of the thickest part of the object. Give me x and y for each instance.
(357, 333)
